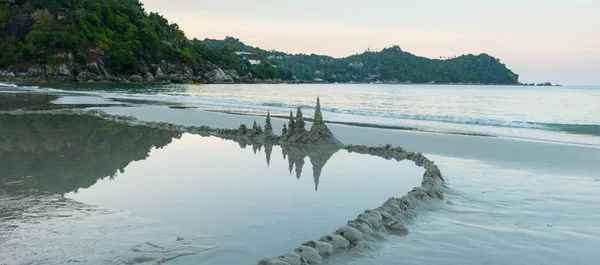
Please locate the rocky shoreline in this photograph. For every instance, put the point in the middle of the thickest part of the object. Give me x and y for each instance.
(163, 73)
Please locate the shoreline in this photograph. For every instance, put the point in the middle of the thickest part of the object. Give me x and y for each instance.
(36, 81)
(175, 105)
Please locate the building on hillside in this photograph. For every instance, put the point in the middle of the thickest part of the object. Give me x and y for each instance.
(61, 13)
(252, 58)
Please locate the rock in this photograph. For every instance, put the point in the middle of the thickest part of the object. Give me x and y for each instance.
(83, 77)
(144, 69)
(156, 70)
(176, 78)
(57, 71)
(309, 254)
(148, 77)
(136, 79)
(96, 67)
(162, 77)
(233, 74)
(218, 76)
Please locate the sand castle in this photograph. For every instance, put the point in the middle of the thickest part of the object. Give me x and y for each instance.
(359, 233)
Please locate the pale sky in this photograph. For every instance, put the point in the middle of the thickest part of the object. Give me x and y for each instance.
(542, 40)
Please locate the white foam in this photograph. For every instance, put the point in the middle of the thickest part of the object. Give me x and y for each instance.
(7, 85)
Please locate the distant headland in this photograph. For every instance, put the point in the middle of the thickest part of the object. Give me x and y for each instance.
(112, 41)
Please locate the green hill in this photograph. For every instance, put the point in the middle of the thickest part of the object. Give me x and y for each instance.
(388, 65)
(118, 41)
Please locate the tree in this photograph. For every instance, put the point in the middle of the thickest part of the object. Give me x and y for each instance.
(43, 17)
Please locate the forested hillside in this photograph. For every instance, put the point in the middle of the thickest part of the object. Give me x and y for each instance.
(388, 65)
(120, 32)
(118, 41)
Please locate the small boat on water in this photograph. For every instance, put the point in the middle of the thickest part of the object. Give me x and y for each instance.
(198, 84)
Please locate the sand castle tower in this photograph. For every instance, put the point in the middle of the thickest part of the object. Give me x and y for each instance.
(268, 126)
(319, 133)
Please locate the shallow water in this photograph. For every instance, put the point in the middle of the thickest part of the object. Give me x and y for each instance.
(228, 202)
(503, 216)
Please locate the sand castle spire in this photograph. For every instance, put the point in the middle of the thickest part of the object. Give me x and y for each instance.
(284, 131)
(291, 123)
(318, 114)
(290, 164)
(268, 151)
(300, 124)
(299, 165)
(256, 147)
(254, 127)
(268, 126)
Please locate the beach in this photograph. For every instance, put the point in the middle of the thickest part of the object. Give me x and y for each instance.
(531, 199)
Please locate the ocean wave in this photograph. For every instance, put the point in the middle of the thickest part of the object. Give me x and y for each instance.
(7, 85)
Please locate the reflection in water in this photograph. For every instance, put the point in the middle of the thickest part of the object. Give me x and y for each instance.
(63, 153)
(46, 156)
(295, 154)
(11, 100)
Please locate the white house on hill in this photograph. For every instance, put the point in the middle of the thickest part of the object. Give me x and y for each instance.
(252, 58)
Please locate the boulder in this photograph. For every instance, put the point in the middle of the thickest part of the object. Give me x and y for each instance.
(148, 77)
(233, 74)
(218, 76)
(156, 70)
(83, 77)
(136, 79)
(162, 77)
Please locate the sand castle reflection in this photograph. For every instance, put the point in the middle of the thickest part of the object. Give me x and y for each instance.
(63, 153)
(295, 155)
